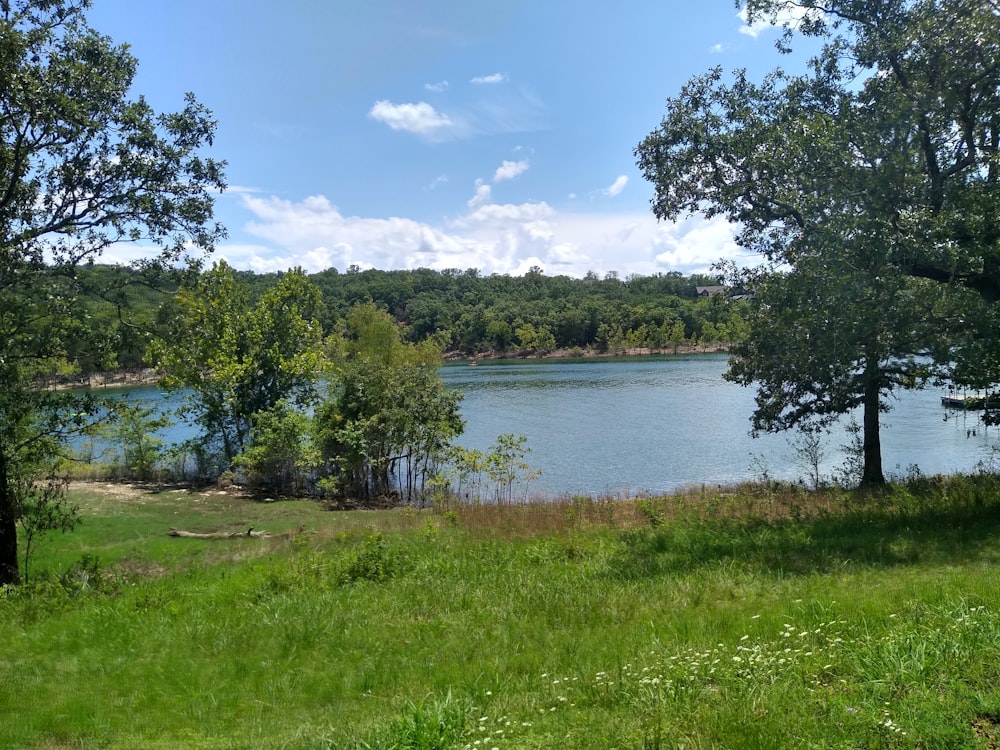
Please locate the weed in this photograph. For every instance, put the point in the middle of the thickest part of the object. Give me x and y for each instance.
(651, 512)
(374, 561)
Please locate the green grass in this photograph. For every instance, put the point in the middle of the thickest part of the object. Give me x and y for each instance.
(755, 618)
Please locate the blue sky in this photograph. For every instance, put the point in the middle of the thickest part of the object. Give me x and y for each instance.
(484, 134)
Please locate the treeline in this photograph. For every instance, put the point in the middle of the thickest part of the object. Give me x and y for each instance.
(327, 385)
(460, 311)
(354, 415)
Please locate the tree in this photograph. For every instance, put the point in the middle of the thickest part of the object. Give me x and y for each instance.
(388, 417)
(875, 167)
(82, 166)
(139, 449)
(499, 335)
(826, 338)
(238, 358)
(279, 455)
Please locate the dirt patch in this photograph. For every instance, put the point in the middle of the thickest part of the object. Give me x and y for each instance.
(986, 728)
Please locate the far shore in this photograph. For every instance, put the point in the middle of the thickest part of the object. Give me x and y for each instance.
(577, 353)
(149, 376)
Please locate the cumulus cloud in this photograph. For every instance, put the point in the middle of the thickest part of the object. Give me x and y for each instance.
(506, 213)
(493, 78)
(314, 234)
(436, 88)
(419, 118)
(510, 169)
(616, 187)
(276, 234)
(696, 244)
(483, 195)
(789, 15)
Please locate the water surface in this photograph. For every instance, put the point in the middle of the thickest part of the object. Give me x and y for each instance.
(653, 424)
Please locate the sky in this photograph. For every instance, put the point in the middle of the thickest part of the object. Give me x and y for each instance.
(443, 134)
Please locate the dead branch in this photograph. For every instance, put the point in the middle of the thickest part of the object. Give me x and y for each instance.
(220, 534)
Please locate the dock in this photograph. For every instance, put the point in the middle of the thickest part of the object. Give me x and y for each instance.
(971, 401)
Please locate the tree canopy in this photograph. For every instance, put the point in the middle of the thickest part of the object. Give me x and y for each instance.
(83, 165)
(860, 179)
(237, 358)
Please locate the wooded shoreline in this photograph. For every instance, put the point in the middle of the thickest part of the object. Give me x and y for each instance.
(149, 376)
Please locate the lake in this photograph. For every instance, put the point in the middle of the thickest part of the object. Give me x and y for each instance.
(627, 426)
(654, 424)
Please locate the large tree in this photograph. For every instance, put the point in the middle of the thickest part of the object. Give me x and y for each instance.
(861, 178)
(83, 164)
(236, 357)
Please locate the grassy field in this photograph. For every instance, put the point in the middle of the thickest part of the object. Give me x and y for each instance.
(754, 618)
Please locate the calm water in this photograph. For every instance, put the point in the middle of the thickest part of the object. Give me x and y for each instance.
(654, 424)
(657, 424)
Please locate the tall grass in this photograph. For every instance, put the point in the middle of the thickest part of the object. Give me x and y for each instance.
(751, 617)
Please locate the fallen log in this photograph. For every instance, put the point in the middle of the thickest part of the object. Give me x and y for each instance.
(220, 534)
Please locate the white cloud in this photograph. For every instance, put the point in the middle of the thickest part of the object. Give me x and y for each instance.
(483, 195)
(616, 187)
(504, 213)
(315, 235)
(493, 78)
(789, 15)
(697, 244)
(716, 49)
(420, 118)
(510, 169)
(437, 181)
(278, 234)
(437, 88)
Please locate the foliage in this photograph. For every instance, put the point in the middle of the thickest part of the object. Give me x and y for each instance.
(827, 338)
(864, 181)
(239, 358)
(387, 418)
(544, 313)
(375, 560)
(462, 310)
(82, 166)
(505, 466)
(809, 451)
(133, 428)
(280, 454)
(475, 476)
(43, 508)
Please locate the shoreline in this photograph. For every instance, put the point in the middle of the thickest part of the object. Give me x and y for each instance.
(149, 376)
(642, 351)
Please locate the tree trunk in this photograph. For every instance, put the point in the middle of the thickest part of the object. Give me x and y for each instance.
(871, 475)
(9, 572)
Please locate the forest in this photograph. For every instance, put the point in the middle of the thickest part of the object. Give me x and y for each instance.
(461, 311)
